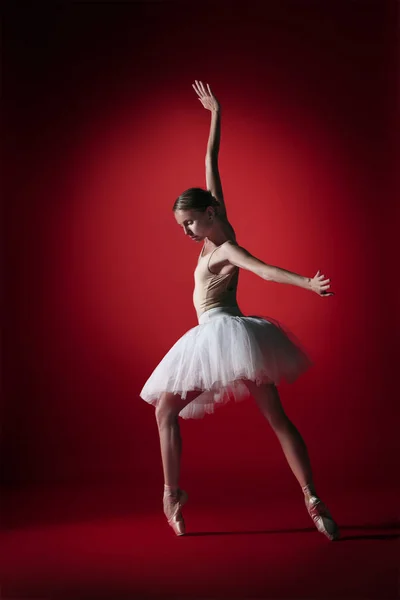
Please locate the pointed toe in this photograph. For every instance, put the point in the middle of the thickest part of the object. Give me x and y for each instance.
(173, 512)
(322, 518)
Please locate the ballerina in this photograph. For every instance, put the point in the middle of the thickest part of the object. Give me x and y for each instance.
(228, 356)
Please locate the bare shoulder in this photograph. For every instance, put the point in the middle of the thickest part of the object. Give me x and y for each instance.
(239, 256)
(232, 248)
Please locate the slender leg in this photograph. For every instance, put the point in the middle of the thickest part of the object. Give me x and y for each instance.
(295, 450)
(293, 445)
(167, 418)
(167, 413)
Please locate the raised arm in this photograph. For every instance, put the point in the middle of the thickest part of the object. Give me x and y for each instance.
(240, 257)
(213, 179)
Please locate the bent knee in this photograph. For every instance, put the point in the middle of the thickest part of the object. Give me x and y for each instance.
(166, 415)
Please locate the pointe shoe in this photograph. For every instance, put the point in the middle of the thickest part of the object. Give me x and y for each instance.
(173, 512)
(322, 517)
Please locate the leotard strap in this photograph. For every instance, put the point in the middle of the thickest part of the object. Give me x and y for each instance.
(208, 262)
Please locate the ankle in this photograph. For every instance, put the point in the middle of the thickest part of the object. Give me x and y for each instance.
(171, 490)
(309, 490)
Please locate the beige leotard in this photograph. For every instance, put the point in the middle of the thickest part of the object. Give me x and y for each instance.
(213, 290)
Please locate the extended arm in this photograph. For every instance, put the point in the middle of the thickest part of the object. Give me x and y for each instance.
(240, 257)
(213, 179)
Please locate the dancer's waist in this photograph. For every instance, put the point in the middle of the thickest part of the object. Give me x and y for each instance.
(232, 311)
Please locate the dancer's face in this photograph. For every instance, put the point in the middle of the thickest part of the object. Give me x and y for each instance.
(196, 225)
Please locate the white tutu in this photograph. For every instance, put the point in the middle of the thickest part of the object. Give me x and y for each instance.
(216, 355)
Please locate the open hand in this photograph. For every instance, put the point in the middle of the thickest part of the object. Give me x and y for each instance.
(207, 98)
(320, 285)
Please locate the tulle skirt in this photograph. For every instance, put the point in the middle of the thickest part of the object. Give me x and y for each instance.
(219, 354)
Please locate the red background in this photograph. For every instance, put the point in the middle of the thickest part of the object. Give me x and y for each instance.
(102, 132)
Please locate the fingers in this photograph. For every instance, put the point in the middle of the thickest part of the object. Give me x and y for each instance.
(200, 89)
(322, 284)
(321, 277)
(196, 90)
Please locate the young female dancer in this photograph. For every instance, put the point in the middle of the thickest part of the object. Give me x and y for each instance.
(228, 355)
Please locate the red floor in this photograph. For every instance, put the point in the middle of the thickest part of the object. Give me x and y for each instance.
(103, 543)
